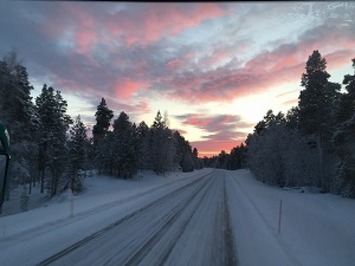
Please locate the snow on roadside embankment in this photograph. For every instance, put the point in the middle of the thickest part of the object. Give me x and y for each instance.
(316, 229)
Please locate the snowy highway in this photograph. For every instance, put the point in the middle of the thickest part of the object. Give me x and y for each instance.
(205, 217)
(188, 226)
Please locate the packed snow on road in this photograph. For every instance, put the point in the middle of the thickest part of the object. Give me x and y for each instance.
(206, 217)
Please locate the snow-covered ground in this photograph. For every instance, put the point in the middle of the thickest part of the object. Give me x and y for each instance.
(316, 229)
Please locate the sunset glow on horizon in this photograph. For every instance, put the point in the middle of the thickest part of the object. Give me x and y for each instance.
(215, 68)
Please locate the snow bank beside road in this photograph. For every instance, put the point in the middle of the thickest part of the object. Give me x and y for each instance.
(317, 229)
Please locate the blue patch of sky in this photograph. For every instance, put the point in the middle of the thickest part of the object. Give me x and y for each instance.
(66, 41)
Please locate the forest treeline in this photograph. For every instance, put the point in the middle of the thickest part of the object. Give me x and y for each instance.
(312, 145)
(51, 149)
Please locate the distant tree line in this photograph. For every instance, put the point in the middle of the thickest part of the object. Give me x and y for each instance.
(51, 150)
(128, 148)
(312, 145)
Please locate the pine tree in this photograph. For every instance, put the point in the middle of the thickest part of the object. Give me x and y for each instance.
(317, 100)
(265, 150)
(223, 160)
(102, 136)
(54, 124)
(125, 160)
(344, 139)
(346, 105)
(142, 145)
(183, 153)
(103, 118)
(269, 119)
(158, 123)
(279, 155)
(16, 107)
(196, 160)
(17, 112)
(316, 106)
(238, 157)
(162, 146)
(292, 117)
(77, 153)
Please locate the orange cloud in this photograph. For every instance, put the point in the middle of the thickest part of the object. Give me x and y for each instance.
(210, 148)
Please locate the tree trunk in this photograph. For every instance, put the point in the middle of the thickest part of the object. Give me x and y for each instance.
(42, 180)
(320, 158)
(30, 187)
(54, 182)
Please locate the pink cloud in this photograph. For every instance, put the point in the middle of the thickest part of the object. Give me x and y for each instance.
(80, 27)
(174, 64)
(339, 58)
(86, 40)
(284, 65)
(290, 103)
(86, 36)
(153, 21)
(190, 55)
(126, 87)
(222, 132)
(215, 58)
(143, 108)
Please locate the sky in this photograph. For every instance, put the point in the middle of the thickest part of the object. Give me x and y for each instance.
(214, 68)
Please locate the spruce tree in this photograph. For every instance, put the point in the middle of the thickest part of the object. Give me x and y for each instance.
(77, 153)
(125, 160)
(142, 146)
(162, 146)
(101, 136)
(103, 120)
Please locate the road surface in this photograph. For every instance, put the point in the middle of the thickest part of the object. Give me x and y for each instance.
(190, 225)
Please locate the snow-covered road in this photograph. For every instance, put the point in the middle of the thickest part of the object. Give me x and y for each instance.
(208, 217)
(188, 226)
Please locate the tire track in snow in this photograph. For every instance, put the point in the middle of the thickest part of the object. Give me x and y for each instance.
(208, 238)
(141, 253)
(52, 225)
(140, 212)
(229, 248)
